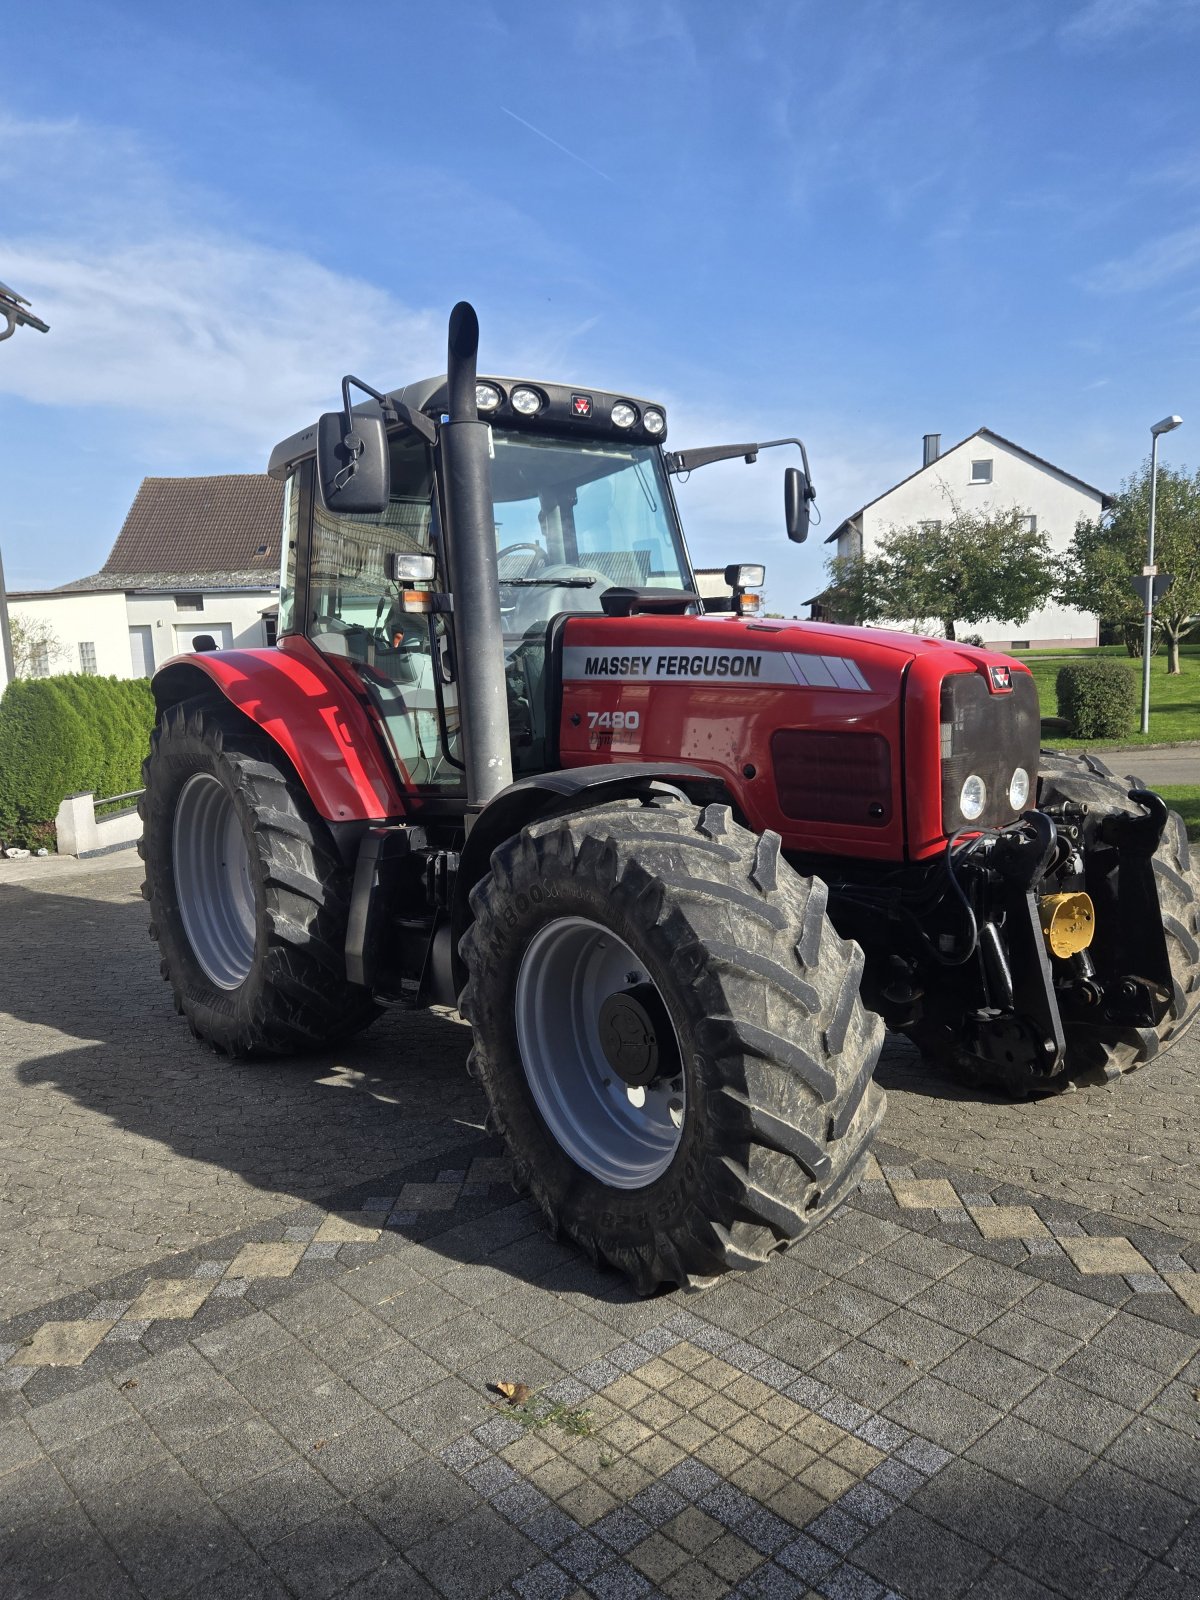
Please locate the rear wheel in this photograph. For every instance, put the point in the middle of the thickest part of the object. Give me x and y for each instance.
(248, 898)
(1066, 775)
(670, 1037)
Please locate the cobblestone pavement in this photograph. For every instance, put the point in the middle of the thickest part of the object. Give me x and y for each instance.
(265, 1370)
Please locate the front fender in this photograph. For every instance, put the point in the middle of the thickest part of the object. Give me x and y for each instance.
(570, 789)
(306, 708)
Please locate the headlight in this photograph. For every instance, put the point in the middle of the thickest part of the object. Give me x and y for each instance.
(623, 415)
(527, 401)
(487, 396)
(973, 797)
(1018, 789)
(653, 421)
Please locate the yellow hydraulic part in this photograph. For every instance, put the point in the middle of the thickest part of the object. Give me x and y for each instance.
(1068, 922)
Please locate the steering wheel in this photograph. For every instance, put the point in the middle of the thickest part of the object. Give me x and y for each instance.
(524, 544)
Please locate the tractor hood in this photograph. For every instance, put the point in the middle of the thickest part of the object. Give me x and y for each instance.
(811, 726)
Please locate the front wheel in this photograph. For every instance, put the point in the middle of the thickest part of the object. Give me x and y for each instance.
(670, 1037)
(248, 899)
(1086, 780)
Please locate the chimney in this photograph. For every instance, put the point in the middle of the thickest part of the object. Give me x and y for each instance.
(933, 448)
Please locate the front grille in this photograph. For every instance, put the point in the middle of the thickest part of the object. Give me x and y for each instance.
(990, 735)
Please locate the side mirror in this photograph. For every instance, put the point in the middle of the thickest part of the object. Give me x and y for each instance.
(353, 469)
(401, 567)
(797, 492)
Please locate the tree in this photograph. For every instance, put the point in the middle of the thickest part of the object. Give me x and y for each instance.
(1108, 553)
(978, 565)
(35, 645)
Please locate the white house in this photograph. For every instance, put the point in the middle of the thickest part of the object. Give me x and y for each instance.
(986, 472)
(195, 556)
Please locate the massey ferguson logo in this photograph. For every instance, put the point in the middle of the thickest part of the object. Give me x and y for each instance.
(1001, 677)
(581, 405)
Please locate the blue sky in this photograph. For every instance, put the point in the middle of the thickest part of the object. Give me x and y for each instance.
(859, 223)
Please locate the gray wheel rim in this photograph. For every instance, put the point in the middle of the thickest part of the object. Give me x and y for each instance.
(625, 1137)
(212, 880)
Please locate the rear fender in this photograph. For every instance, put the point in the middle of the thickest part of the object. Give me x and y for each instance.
(309, 711)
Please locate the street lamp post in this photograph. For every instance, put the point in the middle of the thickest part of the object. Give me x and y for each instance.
(14, 309)
(1165, 426)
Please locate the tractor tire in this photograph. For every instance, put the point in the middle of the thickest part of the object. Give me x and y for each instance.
(1066, 775)
(763, 1108)
(248, 897)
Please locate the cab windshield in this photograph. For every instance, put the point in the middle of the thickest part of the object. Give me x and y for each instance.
(573, 520)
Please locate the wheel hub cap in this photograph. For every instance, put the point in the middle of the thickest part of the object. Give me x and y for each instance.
(212, 880)
(600, 1053)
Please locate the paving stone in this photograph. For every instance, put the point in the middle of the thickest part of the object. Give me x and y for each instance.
(1142, 1514)
(1029, 1340)
(1028, 1456)
(989, 1374)
(1187, 1286)
(1065, 1310)
(269, 1507)
(1076, 1558)
(1008, 1222)
(1129, 1338)
(914, 1194)
(1123, 1381)
(1107, 1255)
(938, 1411)
(1161, 1454)
(321, 1557)
(978, 1505)
(350, 1228)
(168, 1297)
(64, 1422)
(266, 1261)
(61, 1344)
(417, 1502)
(919, 1558)
(248, 1450)
(1073, 1413)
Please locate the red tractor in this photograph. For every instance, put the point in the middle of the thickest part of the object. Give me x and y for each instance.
(676, 865)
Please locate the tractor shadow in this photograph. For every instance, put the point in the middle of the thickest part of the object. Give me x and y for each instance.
(143, 1111)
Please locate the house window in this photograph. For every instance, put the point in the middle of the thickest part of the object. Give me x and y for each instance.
(39, 661)
(87, 656)
(931, 527)
(981, 472)
(1029, 524)
(270, 628)
(189, 602)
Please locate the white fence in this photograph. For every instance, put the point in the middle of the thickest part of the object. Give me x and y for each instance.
(82, 833)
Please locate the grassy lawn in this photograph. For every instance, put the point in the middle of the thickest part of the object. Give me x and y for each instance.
(1185, 798)
(1174, 702)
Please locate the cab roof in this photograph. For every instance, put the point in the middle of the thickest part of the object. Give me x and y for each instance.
(565, 409)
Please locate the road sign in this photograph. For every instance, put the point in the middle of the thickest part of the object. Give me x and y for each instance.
(1161, 583)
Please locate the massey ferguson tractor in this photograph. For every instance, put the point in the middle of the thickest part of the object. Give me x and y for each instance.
(676, 865)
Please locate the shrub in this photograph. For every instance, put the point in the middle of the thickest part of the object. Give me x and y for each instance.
(67, 735)
(1098, 699)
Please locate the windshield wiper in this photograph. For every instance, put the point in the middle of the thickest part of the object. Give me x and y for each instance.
(547, 583)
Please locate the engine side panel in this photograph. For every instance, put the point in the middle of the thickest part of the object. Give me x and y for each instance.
(715, 692)
(310, 711)
(828, 735)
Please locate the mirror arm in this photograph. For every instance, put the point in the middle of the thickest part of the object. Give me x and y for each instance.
(799, 443)
(681, 461)
(393, 411)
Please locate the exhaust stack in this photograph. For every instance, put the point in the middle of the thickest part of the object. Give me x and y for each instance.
(474, 579)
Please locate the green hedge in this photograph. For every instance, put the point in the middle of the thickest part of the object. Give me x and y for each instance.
(65, 735)
(1098, 698)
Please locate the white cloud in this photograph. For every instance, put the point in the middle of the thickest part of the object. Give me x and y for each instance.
(1154, 263)
(211, 339)
(1101, 21)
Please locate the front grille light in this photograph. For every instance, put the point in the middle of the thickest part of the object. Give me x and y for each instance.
(973, 797)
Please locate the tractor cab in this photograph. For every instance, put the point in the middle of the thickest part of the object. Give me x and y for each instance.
(582, 506)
